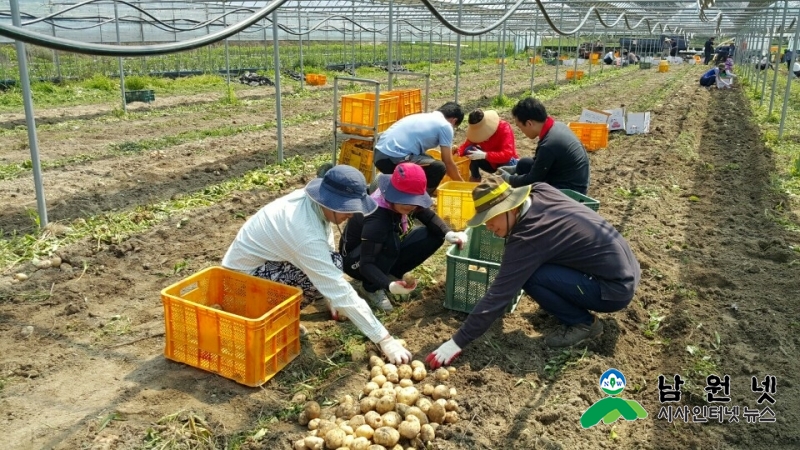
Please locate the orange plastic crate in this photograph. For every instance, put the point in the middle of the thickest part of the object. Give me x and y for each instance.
(359, 109)
(316, 79)
(534, 60)
(454, 203)
(410, 101)
(574, 74)
(357, 153)
(254, 335)
(462, 164)
(594, 136)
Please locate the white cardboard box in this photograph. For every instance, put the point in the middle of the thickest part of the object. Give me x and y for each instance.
(616, 119)
(589, 115)
(637, 122)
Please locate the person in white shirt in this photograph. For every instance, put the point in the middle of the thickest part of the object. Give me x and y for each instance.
(796, 69)
(291, 241)
(609, 58)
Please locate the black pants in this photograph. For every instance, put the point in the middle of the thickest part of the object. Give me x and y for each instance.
(608, 61)
(526, 164)
(434, 171)
(418, 245)
(797, 74)
(475, 166)
(707, 59)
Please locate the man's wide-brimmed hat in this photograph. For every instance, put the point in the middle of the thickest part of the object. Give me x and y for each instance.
(494, 197)
(342, 189)
(483, 130)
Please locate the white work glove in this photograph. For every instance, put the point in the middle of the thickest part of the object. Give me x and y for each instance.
(457, 237)
(396, 353)
(443, 355)
(477, 154)
(401, 288)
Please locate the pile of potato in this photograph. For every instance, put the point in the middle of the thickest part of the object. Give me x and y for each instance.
(392, 414)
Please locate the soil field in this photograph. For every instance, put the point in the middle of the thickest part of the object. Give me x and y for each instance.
(82, 345)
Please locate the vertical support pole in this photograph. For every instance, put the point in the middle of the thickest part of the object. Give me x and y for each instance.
(266, 49)
(561, 25)
(56, 59)
(777, 63)
(300, 38)
(535, 46)
(430, 47)
(389, 63)
(30, 121)
(458, 50)
(227, 54)
(591, 49)
(503, 54)
(775, 74)
(119, 60)
(277, 63)
(788, 78)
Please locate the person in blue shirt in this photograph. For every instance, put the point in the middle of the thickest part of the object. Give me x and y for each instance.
(408, 139)
(709, 78)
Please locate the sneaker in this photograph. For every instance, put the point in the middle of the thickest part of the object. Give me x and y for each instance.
(377, 299)
(567, 336)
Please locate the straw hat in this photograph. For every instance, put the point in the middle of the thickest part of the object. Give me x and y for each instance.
(482, 125)
(494, 197)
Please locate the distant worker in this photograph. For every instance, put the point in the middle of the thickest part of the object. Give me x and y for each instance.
(408, 139)
(710, 78)
(490, 143)
(708, 50)
(796, 69)
(609, 58)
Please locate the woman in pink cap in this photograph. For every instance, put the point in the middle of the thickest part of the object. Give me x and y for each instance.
(383, 246)
(490, 144)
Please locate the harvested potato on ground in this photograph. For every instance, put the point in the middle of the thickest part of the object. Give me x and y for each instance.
(408, 395)
(427, 389)
(375, 371)
(417, 413)
(364, 431)
(313, 424)
(441, 374)
(451, 405)
(451, 369)
(302, 418)
(440, 391)
(391, 419)
(417, 363)
(300, 445)
(373, 419)
(312, 410)
(380, 380)
(376, 360)
(424, 404)
(453, 392)
(348, 430)
(368, 404)
(314, 443)
(325, 426)
(347, 410)
(409, 429)
(392, 377)
(389, 368)
(404, 371)
(360, 443)
(385, 404)
(386, 436)
(419, 374)
(335, 438)
(436, 413)
(369, 387)
(357, 420)
(389, 386)
(451, 417)
(376, 447)
(405, 382)
(427, 433)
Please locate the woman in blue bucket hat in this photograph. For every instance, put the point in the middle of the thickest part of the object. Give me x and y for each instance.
(291, 241)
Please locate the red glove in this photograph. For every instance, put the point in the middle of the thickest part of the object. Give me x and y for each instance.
(443, 355)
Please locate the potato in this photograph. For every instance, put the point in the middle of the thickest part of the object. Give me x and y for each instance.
(389, 386)
(356, 421)
(313, 424)
(436, 413)
(451, 369)
(392, 377)
(440, 391)
(385, 404)
(368, 404)
(347, 410)
(314, 443)
(409, 279)
(451, 405)
(408, 395)
(312, 410)
(360, 443)
(325, 426)
(424, 404)
(364, 431)
(417, 363)
(302, 418)
(427, 389)
(427, 433)
(348, 441)
(348, 430)
(369, 387)
(419, 374)
(373, 419)
(441, 401)
(376, 360)
(375, 371)
(391, 419)
(335, 438)
(389, 368)
(441, 374)
(453, 392)
(379, 380)
(451, 417)
(386, 436)
(300, 445)
(339, 421)
(376, 447)
(405, 382)
(417, 414)
(409, 430)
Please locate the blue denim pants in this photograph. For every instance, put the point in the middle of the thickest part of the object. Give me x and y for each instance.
(568, 294)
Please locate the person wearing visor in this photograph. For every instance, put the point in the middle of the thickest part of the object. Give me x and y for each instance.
(565, 256)
(291, 241)
(381, 247)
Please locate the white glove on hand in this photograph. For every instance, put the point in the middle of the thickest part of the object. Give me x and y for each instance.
(396, 353)
(457, 237)
(401, 288)
(443, 355)
(503, 174)
(477, 154)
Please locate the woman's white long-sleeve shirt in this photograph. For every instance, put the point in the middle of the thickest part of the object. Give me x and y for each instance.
(293, 229)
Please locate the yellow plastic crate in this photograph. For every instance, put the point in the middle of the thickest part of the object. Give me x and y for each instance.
(462, 164)
(316, 79)
(410, 101)
(357, 153)
(238, 326)
(359, 109)
(577, 74)
(454, 203)
(594, 136)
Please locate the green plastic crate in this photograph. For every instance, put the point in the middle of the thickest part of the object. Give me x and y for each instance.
(472, 270)
(580, 198)
(645, 65)
(145, 95)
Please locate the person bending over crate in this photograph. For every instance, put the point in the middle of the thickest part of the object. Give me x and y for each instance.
(385, 244)
(408, 139)
(290, 241)
(565, 256)
(560, 159)
(490, 143)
